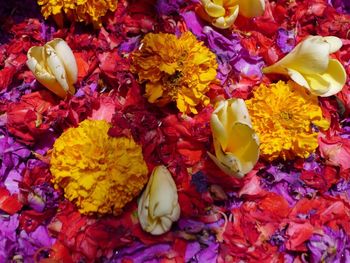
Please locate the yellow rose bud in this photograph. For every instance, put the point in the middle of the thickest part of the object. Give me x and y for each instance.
(309, 65)
(158, 206)
(223, 13)
(235, 142)
(54, 66)
(251, 8)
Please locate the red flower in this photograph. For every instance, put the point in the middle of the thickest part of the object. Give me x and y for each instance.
(336, 150)
(36, 173)
(242, 240)
(26, 119)
(9, 203)
(87, 238)
(298, 233)
(6, 76)
(320, 181)
(29, 220)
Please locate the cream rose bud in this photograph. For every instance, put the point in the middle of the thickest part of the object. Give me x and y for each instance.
(54, 66)
(158, 206)
(235, 142)
(310, 65)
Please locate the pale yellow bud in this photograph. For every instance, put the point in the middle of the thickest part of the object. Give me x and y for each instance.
(235, 142)
(310, 65)
(158, 206)
(54, 66)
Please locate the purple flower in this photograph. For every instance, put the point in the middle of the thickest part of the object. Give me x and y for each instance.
(8, 239)
(345, 133)
(284, 180)
(139, 252)
(340, 187)
(231, 54)
(194, 24)
(169, 7)
(331, 246)
(285, 40)
(43, 196)
(30, 243)
(195, 252)
(130, 45)
(342, 6)
(13, 156)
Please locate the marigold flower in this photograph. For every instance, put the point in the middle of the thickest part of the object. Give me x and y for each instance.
(78, 10)
(97, 172)
(285, 116)
(175, 69)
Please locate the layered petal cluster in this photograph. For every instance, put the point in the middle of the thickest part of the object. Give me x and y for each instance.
(54, 66)
(309, 65)
(223, 13)
(235, 142)
(175, 69)
(158, 207)
(78, 10)
(286, 117)
(98, 173)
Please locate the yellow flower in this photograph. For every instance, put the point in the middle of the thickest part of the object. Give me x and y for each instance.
(309, 65)
(89, 11)
(98, 173)
(175, 69)
(285, 116)
(223, 13)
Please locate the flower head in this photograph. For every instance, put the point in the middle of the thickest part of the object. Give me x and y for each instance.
(235, 142)
(97, 172)
(54, 66)
(309, 65)
(158, 206)
(81, 11)
(223, 13)
(175, 69)
(286, 118)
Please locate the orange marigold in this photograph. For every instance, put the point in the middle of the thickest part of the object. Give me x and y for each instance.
(99, 173)
(175, 69)
(89, 11)
(286, 117)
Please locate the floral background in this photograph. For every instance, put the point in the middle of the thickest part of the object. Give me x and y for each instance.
(293, 209)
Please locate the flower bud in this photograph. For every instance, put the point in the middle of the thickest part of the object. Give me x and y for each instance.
(309, 65)
(251, 8)
(235, 142)
(158, 206)
(223, 13)
(54, 66)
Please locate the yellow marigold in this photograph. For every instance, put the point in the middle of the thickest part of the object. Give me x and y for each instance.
(286, 118)
(175, 69)
(89, 11)
(97, 172)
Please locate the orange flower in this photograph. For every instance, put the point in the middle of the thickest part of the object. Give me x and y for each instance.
(89, 11)
(283, 115)
(175, 69)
